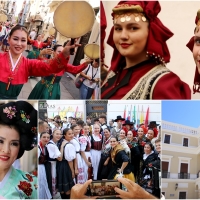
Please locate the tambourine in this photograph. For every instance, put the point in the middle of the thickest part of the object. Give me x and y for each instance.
(52, 31)
(3, 18)
(74, 19)
(92, 51)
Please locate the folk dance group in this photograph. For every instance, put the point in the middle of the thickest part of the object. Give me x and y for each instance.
(65, 158)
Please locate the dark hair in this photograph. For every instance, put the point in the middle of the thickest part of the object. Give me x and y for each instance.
(65, 43)
(102, 116)
(151, 130)
(97, 60)
(45, 41)
(112, 136)
(80, 122)
(85, 124)
(66, 130)
(21, 116)
(107, 129)
(150, 144)
(88, 117)
(96, 120)
(57, 116)
(38, 35)
(73, 126)
(18, 27)
(56, 46)
(41, 134)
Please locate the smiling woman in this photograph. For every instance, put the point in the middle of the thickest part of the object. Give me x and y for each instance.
(138, 65)
(18, 129)
(15, 69)
(194, 46)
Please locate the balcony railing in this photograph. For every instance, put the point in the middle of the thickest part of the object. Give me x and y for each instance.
(180, 128)
(183, 175)
(165, 174)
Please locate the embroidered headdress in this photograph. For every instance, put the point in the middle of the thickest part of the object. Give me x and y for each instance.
(156, 46)
(23, 116)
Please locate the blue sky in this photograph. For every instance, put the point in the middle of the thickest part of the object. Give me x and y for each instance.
(182, 112)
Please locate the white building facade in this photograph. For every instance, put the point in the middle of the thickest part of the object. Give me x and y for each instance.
(180, 161)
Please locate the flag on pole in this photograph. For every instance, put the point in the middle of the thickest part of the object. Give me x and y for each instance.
(147, 118)
(138, 120)
(124, 112)
(76, 111)
(129, 114)
(134, 116)
(142, 116)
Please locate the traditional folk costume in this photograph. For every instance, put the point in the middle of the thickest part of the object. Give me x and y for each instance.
(135, 157)
(49, 86)
(147, 170)
(80, 176)
(18, 185)
(156, 176)
(150, 78)
(118, 156)
(103, 171)
(190, 45)
(96, 146)
(64, 175)
(13, 76)
(53, 153)
(85, 145)
(43, 192)
(37, 46)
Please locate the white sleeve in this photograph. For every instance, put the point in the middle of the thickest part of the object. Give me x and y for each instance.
(70, 153)
(53, 151)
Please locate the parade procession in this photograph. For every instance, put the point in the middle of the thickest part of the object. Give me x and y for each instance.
(99, 99)
(40, 25)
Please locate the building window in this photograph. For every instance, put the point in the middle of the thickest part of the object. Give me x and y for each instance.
(184, 171)
(182, 195)
(185, 142)
(165, 173)
(167, 139)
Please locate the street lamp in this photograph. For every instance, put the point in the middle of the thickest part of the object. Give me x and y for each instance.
(176, 186)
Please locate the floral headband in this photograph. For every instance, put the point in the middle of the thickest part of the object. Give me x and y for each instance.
(22, 115)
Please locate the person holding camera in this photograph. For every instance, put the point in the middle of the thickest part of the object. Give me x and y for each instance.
(134, 191)
(92, 78)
